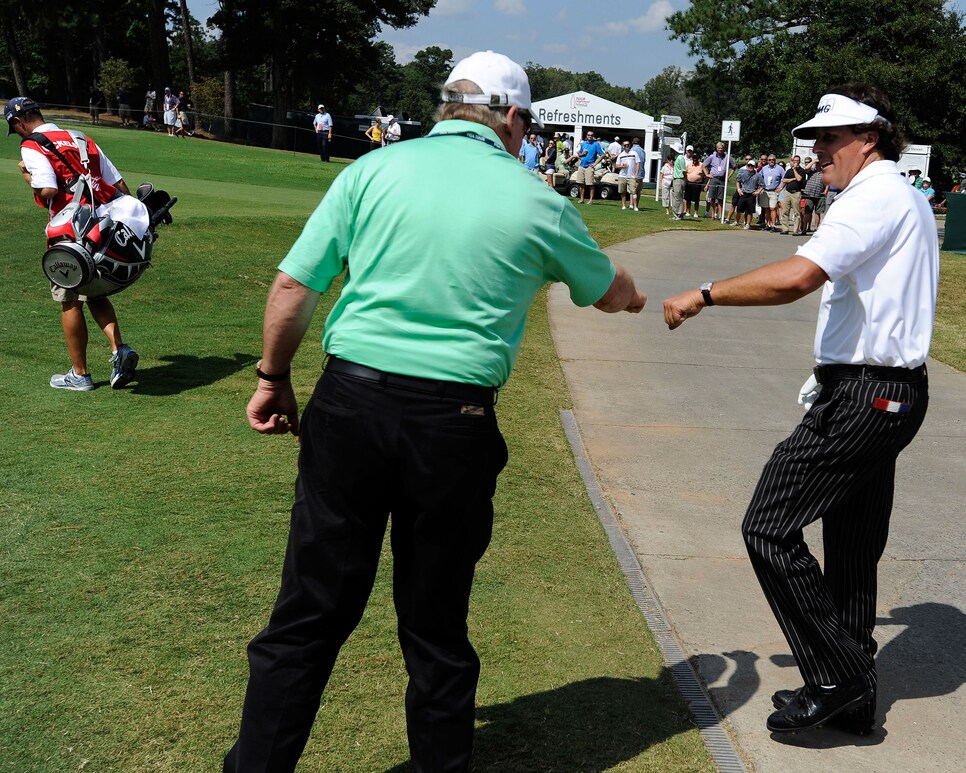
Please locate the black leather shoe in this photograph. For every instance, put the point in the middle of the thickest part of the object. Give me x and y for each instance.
(814, 705)
(860, 721)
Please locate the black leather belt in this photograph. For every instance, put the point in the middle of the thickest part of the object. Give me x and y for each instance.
(470, 393)
(826, 373)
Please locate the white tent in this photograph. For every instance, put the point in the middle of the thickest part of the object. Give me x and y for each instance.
(572, 112)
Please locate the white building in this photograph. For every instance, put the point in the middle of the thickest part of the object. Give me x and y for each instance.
(581, 111)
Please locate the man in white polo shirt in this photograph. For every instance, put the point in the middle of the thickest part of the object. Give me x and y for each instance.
(626, 162)
(876, 253)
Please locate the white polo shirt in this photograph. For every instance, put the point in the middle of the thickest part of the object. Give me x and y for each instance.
(629, 161)
(879, 246)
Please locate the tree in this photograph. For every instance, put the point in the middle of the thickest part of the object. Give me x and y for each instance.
(188, 42)
(421, 81)
(8, 12)
(914, 52)
(664, 93)
(158, 42)
(300, 39)
(116, 74)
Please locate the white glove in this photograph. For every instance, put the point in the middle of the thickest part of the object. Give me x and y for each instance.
(809, 392)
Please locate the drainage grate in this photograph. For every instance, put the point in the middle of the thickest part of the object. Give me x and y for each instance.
(703, 711)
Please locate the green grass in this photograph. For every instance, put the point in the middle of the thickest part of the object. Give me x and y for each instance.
(143, 530)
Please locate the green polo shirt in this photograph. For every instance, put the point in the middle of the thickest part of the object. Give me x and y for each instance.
(680, 165)
(447, 240)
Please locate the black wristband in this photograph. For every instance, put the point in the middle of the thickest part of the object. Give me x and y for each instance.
(273, 376)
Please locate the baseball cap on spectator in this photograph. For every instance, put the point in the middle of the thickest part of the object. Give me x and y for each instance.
(926, 180)
(390, 119)
(750, 162)
(837, 110)
(17, 107)
(320, 107)
(690, 147)
(502, 81)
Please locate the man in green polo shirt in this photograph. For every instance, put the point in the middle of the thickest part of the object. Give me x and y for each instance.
(425, 332)
(677, 181)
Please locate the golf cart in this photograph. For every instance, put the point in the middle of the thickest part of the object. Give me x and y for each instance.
(605, 182)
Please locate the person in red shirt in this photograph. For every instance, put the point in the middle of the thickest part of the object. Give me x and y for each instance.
(52, 181)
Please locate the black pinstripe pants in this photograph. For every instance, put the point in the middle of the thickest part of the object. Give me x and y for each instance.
(838, 465)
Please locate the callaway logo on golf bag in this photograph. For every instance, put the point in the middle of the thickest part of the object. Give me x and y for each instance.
(96, 255)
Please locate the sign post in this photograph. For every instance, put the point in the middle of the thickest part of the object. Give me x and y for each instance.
(666, 120)
(730, 131)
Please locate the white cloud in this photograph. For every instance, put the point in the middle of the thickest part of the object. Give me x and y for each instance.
(452, 8)
(522, 37)
(652, 21)
(405, 53)
(556, 48)
(511, 7)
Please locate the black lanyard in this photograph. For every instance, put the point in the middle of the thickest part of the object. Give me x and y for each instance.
(473, 136)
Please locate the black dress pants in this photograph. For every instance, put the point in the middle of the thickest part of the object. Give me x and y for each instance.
(368, 451)
(838, 465)
(322, 143)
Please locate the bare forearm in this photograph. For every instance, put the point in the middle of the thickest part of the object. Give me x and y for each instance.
(288, 312)
(777, 283)
(622, 295)
(782, 282)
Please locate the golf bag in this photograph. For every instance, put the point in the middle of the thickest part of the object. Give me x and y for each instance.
(95, 255)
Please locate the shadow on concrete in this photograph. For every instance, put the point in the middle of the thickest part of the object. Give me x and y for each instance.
(589, 726)
(926, 660)
(186, 371)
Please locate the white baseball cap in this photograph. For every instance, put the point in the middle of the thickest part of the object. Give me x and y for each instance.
(837, 110)
(320, 107)
(690, 147)
(502, 81)
(391, 118)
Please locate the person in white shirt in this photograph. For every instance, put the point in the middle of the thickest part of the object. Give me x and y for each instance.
(323, 131)
(614, 149)
(627, 164)
(393, 131)
(876, 255)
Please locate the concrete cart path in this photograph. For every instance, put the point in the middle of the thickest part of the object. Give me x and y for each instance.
(678, 425)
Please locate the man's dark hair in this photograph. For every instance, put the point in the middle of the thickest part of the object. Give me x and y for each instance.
(891, 141)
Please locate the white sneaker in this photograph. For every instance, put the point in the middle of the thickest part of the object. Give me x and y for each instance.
(72, 381)
(636, 209)
(623, 208)
(747, 227)
(123, 364)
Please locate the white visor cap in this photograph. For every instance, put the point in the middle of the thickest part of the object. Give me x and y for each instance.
(836, 110)
(502, 81)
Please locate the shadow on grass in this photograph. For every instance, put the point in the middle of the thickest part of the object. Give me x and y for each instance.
(186, 371)
(589, 726)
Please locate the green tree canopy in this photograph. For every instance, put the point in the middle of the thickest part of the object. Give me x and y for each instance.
(769, 61)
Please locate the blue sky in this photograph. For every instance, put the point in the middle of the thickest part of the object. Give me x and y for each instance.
(623, 40)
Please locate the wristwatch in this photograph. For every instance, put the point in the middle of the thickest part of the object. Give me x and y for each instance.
(706, 292)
